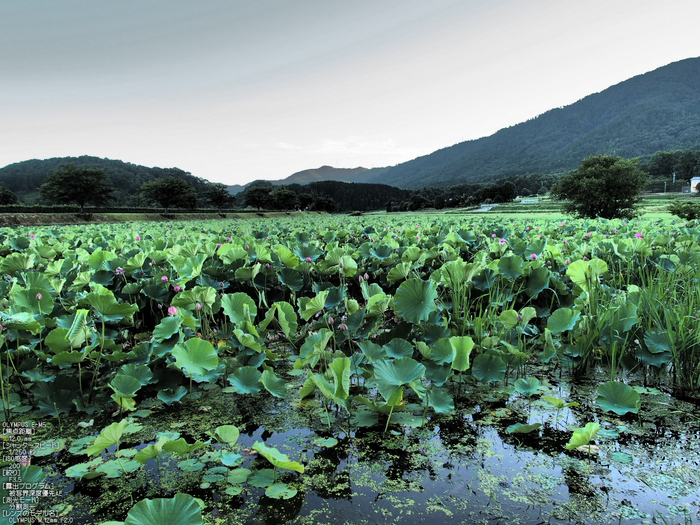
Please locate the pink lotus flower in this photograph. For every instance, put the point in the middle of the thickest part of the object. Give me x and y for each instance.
(308, 259)
(639, 235)
(331, 320)
(177, 288)
(38, 297)
(138, 237)
(502, 241)
(172, 311)
(533, 256)
(198, 306)
(164, 279)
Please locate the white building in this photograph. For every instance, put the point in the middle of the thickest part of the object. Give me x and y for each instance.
(693, 184)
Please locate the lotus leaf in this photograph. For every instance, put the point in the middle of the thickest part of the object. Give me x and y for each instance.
(277, 459)
(488, 368)
(583, 436)
(280, 491)
(108, 437)
(246, 380)
(239, 307)
(415, 300)
(196, 356)
(618, 397)
(462, 349)
(562, 319)
(521, 428)
(273, 384)
(528, 387)
(182, 509)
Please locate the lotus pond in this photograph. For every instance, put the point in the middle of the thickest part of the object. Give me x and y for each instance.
(351, 370)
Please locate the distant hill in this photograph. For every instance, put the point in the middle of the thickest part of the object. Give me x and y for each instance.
(24, 178)
(659, 110)
(325, 173)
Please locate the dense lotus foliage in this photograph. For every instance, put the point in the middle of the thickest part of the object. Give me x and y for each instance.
(385, 320)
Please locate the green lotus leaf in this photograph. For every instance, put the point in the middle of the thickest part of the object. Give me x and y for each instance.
(399, 272)
(106, 306)
(126, 385)
(246, 380)
(168, 327)
(509, 318)
(586, 273)
(617, 397)
(20, 321)
(115, 468)
(239, 475)
(315, 305)
(239, 307)
(46, 448)
(262, 478)
(277, 459)
(528, 387)
(393, 375)
(230, 459)
(537, 281)
(36, 301)
(139, 371)
(415, 300)
(398, 348)
(521, 428)
(562, 319)
(658, 340)
(182, 447)
(462, 347)
(326, 442)
(109, 436)
(441, 401)
(182, 509)
(280, 491)
(559, 403)
(583, 436)
(621, 457)
(348, 266)
(196, 356)
(227, 433)
(148, 452)
(286, 256)
(511, 267)
(340, 367)
(488, 368)
(172, 395)
(273, 384)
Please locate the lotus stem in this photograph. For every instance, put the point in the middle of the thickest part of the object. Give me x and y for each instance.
(389, 419)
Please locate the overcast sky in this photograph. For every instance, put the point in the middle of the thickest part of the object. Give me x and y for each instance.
(237, 90)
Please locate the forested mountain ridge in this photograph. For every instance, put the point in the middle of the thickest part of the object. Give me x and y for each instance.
(25, 177)
(659, 110)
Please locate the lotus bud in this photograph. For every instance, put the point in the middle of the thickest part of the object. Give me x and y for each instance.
(172, 311)
(341, 264)
(177, 288)
(138, 237)
(164, 279)
(198, 306)
(308, 259)
(331, 320)
(38, 297)
(343, 326)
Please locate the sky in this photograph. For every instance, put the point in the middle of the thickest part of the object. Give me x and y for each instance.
(238, 90)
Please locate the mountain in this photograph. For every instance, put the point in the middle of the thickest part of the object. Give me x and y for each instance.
(659, 110)
(24, 178)
(325, 173)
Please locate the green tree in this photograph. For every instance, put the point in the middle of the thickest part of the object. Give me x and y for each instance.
(170, 191)
(258, 197)
(69, 184)
(602, 186)
(7, 196)
(219, 195)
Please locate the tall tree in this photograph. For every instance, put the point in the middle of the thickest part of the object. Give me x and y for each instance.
(219, 195)
(602, 186)
(69, 184)
(7, 196)
(170, 191)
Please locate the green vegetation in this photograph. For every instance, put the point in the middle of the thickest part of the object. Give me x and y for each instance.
(602, 186)
(170, 192)
(350, 330)
(69, 184)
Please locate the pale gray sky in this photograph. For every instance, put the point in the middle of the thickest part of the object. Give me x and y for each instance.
(237, 90)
